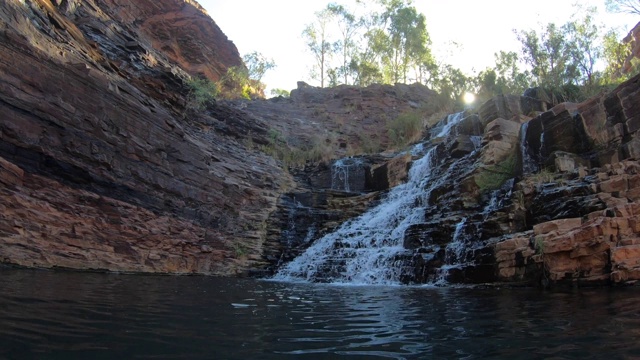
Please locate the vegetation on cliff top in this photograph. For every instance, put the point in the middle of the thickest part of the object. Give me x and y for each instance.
(387, 41)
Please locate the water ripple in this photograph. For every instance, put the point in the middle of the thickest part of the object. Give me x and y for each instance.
(49, 315)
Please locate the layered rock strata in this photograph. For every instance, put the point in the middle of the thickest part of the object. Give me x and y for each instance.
(101, 167)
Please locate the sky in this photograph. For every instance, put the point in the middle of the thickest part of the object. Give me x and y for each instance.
(479, 28)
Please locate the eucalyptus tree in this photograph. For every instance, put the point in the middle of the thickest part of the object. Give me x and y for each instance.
(547, 54)
(505, 78)
(348, 27)
(623, 6)
(317, 36)
(257, 65)
(364, 65)
(451, 83)
(510, 78)
(408, 38)
(585, 48)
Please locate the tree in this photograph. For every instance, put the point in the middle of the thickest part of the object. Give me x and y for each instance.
(583, 46)
(505, 78)
(257, 65)
(317, 36)
(451, 83)
(348, 27)
(615, 53)
(408, 37)
(623, 6)
(510, 79)
(364, 65)
(547, 54)
(280, 92)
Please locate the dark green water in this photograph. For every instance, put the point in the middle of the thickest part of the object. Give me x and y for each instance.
(57, 315)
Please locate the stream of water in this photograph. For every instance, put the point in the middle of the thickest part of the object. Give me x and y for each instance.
(63, 315)
(369, 249)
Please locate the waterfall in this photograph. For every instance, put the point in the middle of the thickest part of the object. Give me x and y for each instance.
(529, 163)
(455, 253)
(369, 249)
(340, 171)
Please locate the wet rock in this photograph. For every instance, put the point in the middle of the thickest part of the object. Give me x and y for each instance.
(389, 173)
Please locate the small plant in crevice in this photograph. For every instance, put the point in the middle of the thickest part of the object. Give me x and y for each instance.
(239, 250)
(539, 245)
(494, 176)
(544, 176)
(202, 92)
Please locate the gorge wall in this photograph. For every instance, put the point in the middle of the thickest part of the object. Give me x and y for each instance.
(100, 166)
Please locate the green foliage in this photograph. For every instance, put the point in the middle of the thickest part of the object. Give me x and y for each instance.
(239, 250)
(539, 245)
(316, 36)
(405, 129)
(369, 144)
(547, 54)
(544, 176)
(257, 65)
(348, 27)
(280, 92)
(563, 58)
(451, 84)
(202, 92)
(505, 78)
(236, 83)
(407, 38)
(615, 53)
(321, 149)
(394, 46)
(623, 6)
(493, 177)
(386, 41)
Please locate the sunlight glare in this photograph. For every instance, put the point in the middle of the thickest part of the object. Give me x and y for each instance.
(469, 98)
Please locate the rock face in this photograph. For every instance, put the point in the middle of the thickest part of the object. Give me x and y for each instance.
(578, 203)
(100, 166)
(522, 192)
(634, 39)
(344, 120)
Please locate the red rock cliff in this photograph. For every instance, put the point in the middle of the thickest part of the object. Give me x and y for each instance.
(99, 167)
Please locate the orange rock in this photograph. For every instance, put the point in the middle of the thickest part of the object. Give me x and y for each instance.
(562, 226)
(616, 183)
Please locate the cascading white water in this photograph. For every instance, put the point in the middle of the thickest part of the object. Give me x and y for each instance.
(455, 249)
(529, 163)
(454, 253)
(340, 171)
(366, 250)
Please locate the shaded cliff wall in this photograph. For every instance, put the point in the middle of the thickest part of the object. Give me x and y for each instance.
(100, 168)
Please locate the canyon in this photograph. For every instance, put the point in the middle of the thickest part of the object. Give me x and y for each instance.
(103, 167)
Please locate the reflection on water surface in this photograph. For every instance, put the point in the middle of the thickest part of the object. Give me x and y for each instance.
(56, 315)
